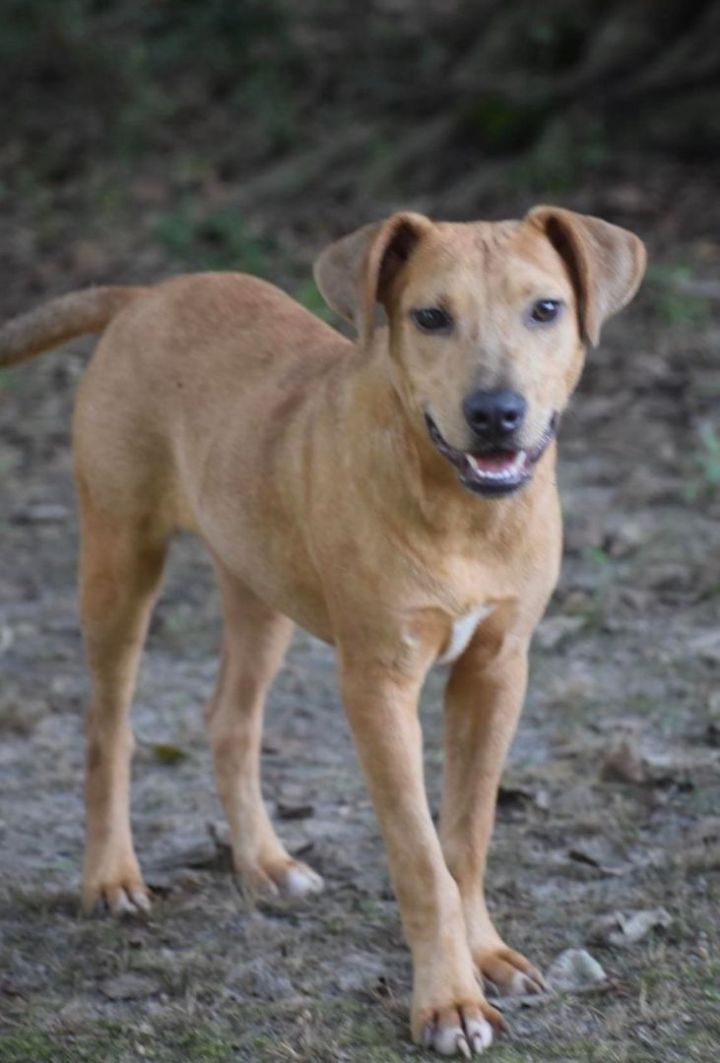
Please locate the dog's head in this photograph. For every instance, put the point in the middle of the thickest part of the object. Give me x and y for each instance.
(488, 324)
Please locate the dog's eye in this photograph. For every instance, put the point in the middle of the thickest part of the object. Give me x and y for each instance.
(544, 311)
(432, 319)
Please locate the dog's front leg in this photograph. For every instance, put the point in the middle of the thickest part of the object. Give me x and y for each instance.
(483, 701)
(449, 1012)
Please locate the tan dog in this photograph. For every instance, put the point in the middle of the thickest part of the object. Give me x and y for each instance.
(395, 497)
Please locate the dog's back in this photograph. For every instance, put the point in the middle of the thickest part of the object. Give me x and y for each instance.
(174, 361)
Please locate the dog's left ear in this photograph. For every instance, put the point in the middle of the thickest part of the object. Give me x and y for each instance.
(605, 263)
(357, 272)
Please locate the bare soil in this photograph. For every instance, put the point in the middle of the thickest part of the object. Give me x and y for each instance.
(611, 797)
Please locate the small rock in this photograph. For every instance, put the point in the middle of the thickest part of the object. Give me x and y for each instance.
(128, 987)
(575, 970)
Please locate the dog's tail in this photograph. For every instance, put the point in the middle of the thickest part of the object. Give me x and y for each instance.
(76, 314)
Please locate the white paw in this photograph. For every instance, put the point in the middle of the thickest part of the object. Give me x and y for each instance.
(300, 881)
(453, 1040)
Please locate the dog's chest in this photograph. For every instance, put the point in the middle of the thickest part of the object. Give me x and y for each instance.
(461, 633)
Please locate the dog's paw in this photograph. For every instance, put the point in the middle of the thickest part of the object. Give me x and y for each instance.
(289, 878)
(465, 1030)
(508, 972)
(299, 880)
(120, 893)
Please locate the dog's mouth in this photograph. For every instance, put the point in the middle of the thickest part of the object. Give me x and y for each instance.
(493, 472)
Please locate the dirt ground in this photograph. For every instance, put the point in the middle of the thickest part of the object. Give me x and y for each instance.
(611, 798)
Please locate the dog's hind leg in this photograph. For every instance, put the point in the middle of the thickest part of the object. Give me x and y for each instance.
(120, 569)
(255, 641)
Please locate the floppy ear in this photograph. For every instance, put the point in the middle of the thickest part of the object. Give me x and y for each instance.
(605, 263)
(358, 271)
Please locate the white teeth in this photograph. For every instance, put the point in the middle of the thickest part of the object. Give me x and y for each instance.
(508, 473)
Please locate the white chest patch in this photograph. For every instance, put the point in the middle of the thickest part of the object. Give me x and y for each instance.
(461, 633)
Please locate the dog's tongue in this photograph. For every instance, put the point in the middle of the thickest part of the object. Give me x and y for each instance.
(495, 462)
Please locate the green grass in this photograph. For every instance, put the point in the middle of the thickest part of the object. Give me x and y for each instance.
(114, 1046)
(219, 239)
(34, 1047)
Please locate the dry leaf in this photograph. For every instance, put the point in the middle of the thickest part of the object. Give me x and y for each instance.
(597, 853)
(623, 929)
(166, 753)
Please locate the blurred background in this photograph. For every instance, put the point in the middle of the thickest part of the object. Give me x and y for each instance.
(142, 139)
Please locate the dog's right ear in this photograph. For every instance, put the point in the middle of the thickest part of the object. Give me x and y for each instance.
(357, 272)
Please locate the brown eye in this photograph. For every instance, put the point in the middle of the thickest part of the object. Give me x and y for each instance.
(432, 319)
(544, 311)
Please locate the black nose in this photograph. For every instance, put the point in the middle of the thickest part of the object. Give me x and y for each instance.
(494, 415)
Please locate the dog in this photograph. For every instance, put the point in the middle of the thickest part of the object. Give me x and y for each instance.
(395, 496)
